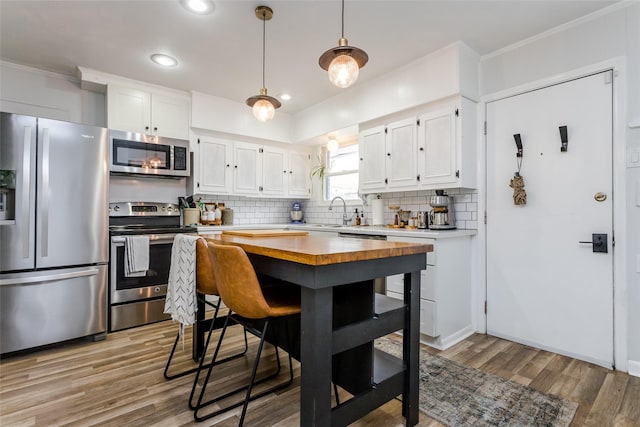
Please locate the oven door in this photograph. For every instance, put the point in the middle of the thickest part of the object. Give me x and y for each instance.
(154, 284)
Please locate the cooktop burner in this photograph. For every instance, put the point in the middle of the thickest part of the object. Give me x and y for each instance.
(146, 218)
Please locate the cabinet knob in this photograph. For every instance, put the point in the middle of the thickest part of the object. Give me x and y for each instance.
(421, 148)
(236, 166)
(386, 180)
(389, 154)
(155, 128)
(227, 165)
(146, 128)
(290, 171)
(284, 171)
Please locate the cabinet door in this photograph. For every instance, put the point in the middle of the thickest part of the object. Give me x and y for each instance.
(128, 109)
(275, 173)
(299, 167)
(401, 145)
(372, 159)
(437, 148)
(170, 116)
(247, 168)
(214, 166)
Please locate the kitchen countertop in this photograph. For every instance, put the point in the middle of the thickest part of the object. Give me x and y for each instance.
(352, 229)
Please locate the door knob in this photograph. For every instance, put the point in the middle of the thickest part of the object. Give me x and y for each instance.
(598, 243)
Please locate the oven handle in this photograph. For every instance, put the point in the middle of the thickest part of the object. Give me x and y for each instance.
(153, 238)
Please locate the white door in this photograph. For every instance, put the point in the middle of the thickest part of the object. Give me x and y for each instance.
(247, 168)
(402, 162)
(372, 159)
(437, 152)
(215, 160)
(299, 165)
(544, 287)
(274, 171)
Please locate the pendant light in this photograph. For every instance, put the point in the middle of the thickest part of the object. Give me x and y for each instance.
(343, 62)
(264, 106)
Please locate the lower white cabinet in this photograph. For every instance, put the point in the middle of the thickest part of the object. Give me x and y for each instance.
(445, 290)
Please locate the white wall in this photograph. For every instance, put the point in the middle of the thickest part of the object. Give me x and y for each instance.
(602, 37)
(449, 71)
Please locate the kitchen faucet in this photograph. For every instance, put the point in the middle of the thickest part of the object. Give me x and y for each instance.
(345, 220)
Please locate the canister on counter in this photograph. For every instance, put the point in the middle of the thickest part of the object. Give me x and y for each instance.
(227, 216)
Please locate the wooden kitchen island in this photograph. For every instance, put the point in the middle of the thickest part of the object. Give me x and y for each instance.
(341, 316)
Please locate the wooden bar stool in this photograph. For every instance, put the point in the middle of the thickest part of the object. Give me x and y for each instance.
(255, 307)
(205, 285)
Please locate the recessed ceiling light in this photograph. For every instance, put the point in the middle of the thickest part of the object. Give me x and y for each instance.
(164, 60)
(285, 96)
(203, 7)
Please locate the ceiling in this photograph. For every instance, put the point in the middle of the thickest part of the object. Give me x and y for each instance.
(221, 53)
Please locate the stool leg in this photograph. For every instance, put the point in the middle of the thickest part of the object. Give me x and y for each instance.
(175, 344)
(253, 373)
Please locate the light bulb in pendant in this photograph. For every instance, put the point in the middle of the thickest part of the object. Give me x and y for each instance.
(263, 110)
(343, 71)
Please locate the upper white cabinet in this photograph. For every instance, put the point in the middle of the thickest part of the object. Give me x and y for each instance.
(141, 111)
(274, 171)
(299, 183)
(372, 159)
(224, 166)
(213, 169)
(435, 149)
(247, 168)
(447, 147)
(388, 156)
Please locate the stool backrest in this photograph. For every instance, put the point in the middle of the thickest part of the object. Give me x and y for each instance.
(205, 278)
(237, 281)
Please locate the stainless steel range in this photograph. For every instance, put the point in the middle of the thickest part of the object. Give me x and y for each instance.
(135, 301)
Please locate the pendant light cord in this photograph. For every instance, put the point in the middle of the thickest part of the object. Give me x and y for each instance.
(342, 19)
(264, 32)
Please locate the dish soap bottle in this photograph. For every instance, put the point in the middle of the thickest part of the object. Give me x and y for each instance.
(357, 216)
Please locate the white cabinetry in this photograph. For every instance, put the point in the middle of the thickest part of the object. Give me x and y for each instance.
(247, 168)
(262, 170)
(447, 147)
(299, 183)
(433, 149)
(140, 111)
(274, 171)
(445, 290)
(388, 156)
(213, 172)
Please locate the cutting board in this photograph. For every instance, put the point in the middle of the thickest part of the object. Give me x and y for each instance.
(266, 233)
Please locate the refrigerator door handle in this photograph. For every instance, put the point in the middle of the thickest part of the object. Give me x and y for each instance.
(26, 184)
(49, 278)
(44, 210)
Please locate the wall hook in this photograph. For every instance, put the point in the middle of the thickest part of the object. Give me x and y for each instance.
(563, 138)
(518, 144)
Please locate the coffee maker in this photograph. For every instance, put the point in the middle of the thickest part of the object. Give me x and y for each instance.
(442, 215)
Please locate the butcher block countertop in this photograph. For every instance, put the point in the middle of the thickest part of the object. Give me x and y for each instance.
(321, 250)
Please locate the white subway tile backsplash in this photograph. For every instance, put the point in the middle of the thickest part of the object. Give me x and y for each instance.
(276, 211)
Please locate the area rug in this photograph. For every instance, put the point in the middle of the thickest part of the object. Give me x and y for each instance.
(457, 395)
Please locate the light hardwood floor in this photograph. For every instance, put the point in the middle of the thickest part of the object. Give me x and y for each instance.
(119, 382)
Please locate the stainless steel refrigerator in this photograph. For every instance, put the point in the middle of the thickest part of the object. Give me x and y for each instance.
(53, 231)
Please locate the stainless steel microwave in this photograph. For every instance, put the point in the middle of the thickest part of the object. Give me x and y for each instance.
(136, 153)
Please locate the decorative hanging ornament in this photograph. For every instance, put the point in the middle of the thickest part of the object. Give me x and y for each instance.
(519, 193)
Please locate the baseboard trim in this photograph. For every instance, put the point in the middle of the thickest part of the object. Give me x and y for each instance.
(634, 368)
(443, 343)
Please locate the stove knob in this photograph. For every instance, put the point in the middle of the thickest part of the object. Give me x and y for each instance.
(117, 208)
(170, 209)
(164, 207)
